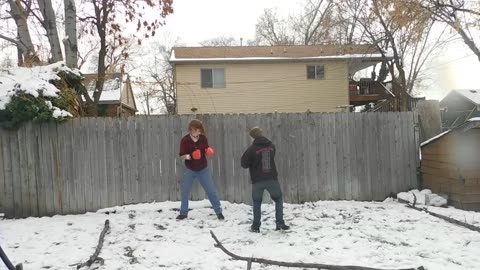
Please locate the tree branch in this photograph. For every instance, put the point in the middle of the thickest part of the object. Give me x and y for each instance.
(95, 257)
(448, 219)
(251, 260)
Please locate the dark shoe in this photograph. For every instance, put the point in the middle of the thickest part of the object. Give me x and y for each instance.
(255, 229)
(282, 227)
(180, 217)
(220, 216)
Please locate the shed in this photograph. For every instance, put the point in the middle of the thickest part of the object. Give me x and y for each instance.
(117, 97)
(451, 165)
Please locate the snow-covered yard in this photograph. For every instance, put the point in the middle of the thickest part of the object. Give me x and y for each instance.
(147, 236)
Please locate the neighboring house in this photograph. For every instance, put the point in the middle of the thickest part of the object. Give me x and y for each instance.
(450, 165)
(262, 79)
(458, 106)
(117, 97)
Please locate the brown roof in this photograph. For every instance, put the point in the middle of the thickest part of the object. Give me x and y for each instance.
(272, 51)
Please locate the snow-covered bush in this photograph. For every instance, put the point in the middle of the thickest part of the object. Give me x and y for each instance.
(38, 94)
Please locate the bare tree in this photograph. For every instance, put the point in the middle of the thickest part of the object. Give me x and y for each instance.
(271, 30)
(346, 28)
(406, 35)
(461, 15)
(159, 87)
(23, 41)
(221, 41)
(48, 21)
(315, 24)
(106, 23)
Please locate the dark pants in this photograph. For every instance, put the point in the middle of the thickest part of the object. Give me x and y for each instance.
(273, 187)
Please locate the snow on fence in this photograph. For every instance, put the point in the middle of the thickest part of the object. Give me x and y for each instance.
(90, 163)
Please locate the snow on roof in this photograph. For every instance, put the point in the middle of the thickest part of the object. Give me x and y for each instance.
(112, 88)
(471, 94)
(474, 119)
(246, 59)
(32, 81)
(435, 138)
(465, 127)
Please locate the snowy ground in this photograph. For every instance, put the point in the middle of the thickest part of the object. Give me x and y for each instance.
(147, 236)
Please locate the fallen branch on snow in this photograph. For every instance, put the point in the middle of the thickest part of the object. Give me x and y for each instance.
(8, 263)
(448, 219)
(294, 264)
(94, 258)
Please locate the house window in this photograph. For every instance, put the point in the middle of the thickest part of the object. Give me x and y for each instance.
(315, 72)
(213, 78)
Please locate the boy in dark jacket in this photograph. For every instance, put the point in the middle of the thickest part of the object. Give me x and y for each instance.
(259, 158)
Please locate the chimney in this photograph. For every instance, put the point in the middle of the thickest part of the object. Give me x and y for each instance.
(241, 41)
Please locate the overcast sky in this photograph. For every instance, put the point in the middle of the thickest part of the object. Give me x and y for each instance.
(195, 21)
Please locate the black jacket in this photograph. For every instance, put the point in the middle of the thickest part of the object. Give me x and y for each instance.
(259, 158)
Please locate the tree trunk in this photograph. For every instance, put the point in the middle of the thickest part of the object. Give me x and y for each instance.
(19, 56)
(101, 76)
(101, 13)
(20, 18)
(50, 25)
(467, 40)
(70, 41)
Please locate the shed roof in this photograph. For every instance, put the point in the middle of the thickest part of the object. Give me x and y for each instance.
(469, 124)
(471, 94)
(112, 87)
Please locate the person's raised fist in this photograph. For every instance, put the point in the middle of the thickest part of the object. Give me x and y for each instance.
(209, 152)
(196, 154)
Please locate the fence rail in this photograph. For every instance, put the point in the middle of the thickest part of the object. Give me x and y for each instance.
(90, 163)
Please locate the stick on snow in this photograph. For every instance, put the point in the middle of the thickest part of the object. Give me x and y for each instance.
(448, 219)
(251, 260)
(94, 258)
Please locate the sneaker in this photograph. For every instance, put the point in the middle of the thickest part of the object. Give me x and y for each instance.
(282, 227)
(220, 216)
(255, 229)
(180, 217)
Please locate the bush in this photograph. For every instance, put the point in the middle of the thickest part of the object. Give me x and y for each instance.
(39, 103)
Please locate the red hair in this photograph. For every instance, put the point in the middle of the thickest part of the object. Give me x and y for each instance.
(196, 124)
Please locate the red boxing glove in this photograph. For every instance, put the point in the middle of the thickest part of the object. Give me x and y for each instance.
(196, 154)
(209, 152)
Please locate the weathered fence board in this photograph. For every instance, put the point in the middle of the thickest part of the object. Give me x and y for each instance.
(90, 163)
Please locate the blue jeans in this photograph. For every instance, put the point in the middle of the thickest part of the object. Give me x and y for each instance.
(206, 181)
(273, 187)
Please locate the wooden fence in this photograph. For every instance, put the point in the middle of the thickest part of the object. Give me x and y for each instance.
(91, 163)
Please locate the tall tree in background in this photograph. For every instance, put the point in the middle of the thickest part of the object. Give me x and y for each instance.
(347, 29)
(27, 54)
(106, 20)
(405, 31)
(159, 88)
(315, 24)
(220, 41)
(461, 15)
(272, 30)
(70, 40)
(319, 22)
(108, 24)
(48, 21)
